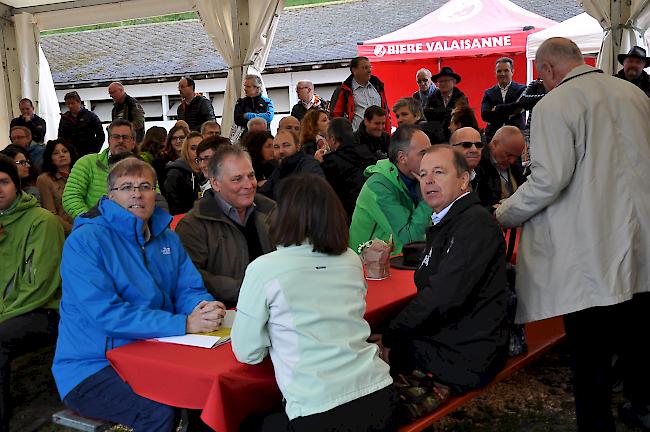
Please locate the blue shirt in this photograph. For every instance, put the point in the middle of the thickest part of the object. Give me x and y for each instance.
(437, 217)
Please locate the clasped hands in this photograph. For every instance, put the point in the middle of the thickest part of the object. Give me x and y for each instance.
(206, 317)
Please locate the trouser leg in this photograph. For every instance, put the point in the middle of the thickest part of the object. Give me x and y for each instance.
(18, 336)
(375, 412)
(591, 336)
(633, 351)
(105, 396)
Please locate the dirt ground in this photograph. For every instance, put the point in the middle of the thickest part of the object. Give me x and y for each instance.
(535, 399)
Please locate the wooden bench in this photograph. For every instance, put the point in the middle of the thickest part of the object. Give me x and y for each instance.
(72, 420)
(541, 336)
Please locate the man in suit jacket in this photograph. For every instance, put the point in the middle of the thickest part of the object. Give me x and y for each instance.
(499, 106)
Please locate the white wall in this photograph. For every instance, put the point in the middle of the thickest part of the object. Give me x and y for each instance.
(279, 86)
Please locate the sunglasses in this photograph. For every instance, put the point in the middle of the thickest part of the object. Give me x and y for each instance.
(469, 144)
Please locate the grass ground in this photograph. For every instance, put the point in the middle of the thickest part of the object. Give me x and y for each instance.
(535, 399)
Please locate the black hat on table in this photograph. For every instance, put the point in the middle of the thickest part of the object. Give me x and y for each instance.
(411, 256)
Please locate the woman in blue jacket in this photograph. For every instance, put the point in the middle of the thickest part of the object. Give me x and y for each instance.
(303, 305)
(125, 277)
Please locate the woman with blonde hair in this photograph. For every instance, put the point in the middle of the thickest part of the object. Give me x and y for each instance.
(182, 184)
(313, 129)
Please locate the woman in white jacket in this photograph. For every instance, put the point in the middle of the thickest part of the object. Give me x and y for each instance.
(303, 304)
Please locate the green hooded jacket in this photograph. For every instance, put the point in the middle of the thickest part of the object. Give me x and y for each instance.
(86, 183)
(384, 207)
(31, 241)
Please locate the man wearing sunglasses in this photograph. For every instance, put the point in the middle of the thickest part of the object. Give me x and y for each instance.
(499, 173)
(467, 141)
(426, 87)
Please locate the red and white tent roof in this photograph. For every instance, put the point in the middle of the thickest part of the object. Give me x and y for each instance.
(459, 28)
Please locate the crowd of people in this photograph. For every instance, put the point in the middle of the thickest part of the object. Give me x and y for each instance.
(272, 225)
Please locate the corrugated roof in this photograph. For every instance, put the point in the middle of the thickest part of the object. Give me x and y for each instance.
(308, 35)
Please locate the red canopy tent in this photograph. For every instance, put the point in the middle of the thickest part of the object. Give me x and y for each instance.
(466, 35)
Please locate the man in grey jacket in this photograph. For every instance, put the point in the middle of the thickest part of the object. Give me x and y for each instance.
(585, 210)
(229, 226)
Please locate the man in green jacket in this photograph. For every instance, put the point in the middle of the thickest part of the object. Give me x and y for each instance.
(87, 181)
(31, 240)
(390, 202)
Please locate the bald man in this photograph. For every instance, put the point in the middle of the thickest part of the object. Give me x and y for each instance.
(499, 173)
(127, 108)
(585, 239)
(290, 123)
(468, 142)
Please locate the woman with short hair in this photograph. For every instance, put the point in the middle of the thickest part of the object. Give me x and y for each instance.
(26, 171)
(303, 305)
(58, 158)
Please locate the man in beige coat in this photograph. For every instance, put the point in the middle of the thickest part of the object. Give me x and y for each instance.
(229, 226)
(585, 243)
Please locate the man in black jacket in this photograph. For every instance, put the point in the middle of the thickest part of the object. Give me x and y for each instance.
(456, 327)
(291, 160)
(30, 120)
(633, 64)
(371, 132)
(194, 109)
(127, 108)
(499, 173)
(344, 164)
(442, 102)
(81, 127)
(499, 106)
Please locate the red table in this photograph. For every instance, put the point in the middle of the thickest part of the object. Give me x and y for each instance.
(212, 380)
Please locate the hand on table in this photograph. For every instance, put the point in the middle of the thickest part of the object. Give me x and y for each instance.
(206, 317)
(384, 352)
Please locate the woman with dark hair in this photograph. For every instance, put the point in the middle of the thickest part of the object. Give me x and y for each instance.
(26, 171)
(260, 147)
(153, 143)
(313, 128)
(58, 158)
(303, 304)
(171, 152)
(182, 183)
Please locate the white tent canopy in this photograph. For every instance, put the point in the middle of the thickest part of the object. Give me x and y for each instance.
(242, 31)
(582, 29)
(625, 24)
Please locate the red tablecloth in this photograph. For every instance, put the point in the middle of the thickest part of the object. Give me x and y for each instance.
(212, 379)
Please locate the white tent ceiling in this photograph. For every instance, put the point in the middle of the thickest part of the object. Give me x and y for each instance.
(248, 27)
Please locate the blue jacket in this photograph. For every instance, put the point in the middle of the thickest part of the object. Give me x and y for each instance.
(117, 289)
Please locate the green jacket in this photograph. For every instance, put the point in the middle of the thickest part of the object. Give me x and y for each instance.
(86, 183)
(31, 241)
(384, 207)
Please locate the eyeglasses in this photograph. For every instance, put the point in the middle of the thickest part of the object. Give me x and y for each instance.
(178, 138)
(144, 187)
(198, 160)
(423, 80)
(117, 137)
(469, 144)
(23, 162)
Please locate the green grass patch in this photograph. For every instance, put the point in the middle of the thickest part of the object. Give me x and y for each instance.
(164, 18)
